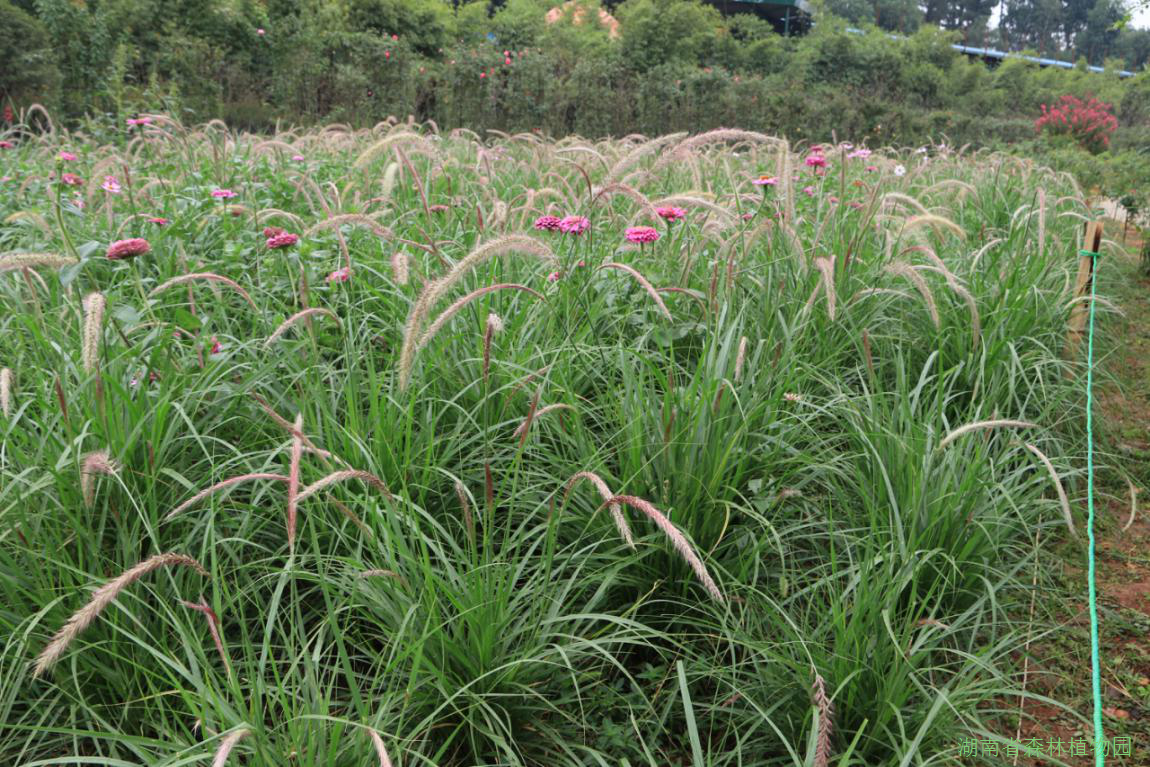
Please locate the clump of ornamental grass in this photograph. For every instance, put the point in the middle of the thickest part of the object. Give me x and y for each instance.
(95, 464)
(93, 331)
(104, 596)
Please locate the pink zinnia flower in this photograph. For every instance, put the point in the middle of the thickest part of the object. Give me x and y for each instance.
(482, 75)
(871, 168)
(553, 277)
(223, 194)
(111, 185)
(748, 216)
(809, 191)
(574, 225)
(765, 181)
(860, 154)
(158, 221)
(7, 145)
(66, 157)
(121, 249)
(816, 161)
(285, 240)
(297, 158)
(641, 234)
(340, 275)
(139, 121)
(71, 179)
(855, 204)
(217, 347)
(548, 223)
(671, 214)
(272, 231)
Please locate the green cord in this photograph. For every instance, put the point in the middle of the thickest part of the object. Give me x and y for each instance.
(1096, 674)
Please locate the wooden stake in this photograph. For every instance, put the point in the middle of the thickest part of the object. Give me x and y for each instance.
(1091, 241)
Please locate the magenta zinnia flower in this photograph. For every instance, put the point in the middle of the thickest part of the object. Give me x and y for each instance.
(272, 231)
(548, 223)
(816, 161)
(297, 158)
(574, 225)
(66, 157)
(121, 249)
(7, 145)
(553, 277)
(641, 234)
(285, 240)
(223, 194)
(111, 185)
(158, 221)
(671, 214)
(217, 347)
(340, 275)
(139, 121)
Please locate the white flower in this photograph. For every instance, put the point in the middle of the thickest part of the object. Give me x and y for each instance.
(899, 170)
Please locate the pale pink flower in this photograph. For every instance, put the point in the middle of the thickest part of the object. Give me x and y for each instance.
(641, 234)
(671, 214)
(765, 181)
(111, 185)
(139, 121)
(285, 240)
(121, 249)
(548, 223)
(860, 154)
(223, 194)
(809, 191)
(297, 158)
(339, 275)
(261, 32)
(574, 225)
(66, 157)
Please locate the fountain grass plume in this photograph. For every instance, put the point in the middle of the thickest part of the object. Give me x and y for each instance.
(213, 620)
(93, 330)
(678, 540)
(380, 749)
(825, 709)
(434, 290)
(997, 423)
(522, 429)
(643, 282)
(292, 320)
(227, 744)
(461, 303)
(1063, 501)
(903, 269)
(5, 392)
(184, 279)
(343, 476)
(93, 465)
(293, 479)
(605, 493)
(104, 596)
(224, 485)
(13, 260)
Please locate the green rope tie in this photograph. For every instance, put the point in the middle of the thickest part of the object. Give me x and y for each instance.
(1095, 666)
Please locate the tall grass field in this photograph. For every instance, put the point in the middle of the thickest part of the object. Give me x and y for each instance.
(337, 448)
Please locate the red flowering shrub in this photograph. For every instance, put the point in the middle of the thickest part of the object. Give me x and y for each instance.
(1089, 122)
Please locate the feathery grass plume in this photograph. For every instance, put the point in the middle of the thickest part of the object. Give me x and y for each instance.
(184, 279)
(213, 627)
(827, 268)
(342, 476)
(380, 749)
(937, 223)
(991, 424)
(293, 479)
(826, 723)
(5, 392)
(355, 219)
(292, 320)
(605, 493)
(522, 429)
(13, 260)
(433, 291)
(647, 286)
(640, 199)
(891, 200)
(465, 508)
(1133, 504)
(227, 744)
(1041, 222)
(903, 269)
(95, 463)
(93, 330)
(33, 217)
(388, 183)
(957, 286)
(232, 482)
(394, 140)
(982, 251)
(103, 597)
(400, 267)
(284, 423)
(740, 358)
(1063, 501)
(678, 540)
(494, 325)
(461, 303)
(639, 153)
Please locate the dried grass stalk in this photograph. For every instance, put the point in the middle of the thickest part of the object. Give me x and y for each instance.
(523, 427)
(740, 358)
(104, 596)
